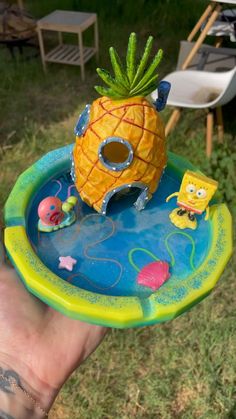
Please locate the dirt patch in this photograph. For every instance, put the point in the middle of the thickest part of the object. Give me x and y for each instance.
(184, 396)
(59, 411)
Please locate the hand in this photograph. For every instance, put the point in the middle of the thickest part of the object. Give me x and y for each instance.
(171, 196)
(38, 343)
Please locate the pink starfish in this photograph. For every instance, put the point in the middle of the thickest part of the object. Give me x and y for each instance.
(67, 262)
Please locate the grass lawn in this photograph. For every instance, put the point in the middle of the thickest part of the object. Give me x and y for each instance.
(182, 369)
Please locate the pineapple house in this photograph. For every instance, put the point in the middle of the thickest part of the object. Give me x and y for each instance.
(120, 140)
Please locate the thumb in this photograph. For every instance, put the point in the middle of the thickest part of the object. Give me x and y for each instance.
(2, 251)
(4, 263)
(2, 254)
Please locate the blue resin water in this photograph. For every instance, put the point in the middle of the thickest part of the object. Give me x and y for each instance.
(104, 246)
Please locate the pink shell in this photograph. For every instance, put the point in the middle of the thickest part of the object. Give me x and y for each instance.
(154, 275)
(49, 211)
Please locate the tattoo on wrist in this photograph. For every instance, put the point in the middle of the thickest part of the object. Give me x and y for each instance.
(6, 377)
(4, 415)
(10, 383)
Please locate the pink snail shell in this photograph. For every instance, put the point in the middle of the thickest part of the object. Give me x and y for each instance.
(50, 212)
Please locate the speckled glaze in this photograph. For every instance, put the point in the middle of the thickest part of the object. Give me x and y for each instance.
(105, 290)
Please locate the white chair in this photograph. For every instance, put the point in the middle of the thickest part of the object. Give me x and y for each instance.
(225, 1)
(200, 90)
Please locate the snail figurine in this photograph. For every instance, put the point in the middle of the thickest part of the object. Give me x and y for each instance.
(55, 214)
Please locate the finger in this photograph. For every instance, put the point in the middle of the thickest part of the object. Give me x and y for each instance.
(2, 250)
(2, 255)
(4, 261)
(9, 277)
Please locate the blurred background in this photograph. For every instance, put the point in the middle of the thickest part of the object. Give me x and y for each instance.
(181, 369)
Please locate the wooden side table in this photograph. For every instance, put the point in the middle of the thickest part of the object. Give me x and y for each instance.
(70, 22)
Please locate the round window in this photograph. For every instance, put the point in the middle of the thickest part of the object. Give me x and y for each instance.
(82, 122)
(115, 153)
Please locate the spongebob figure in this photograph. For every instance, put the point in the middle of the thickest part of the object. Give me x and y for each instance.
(193, 198)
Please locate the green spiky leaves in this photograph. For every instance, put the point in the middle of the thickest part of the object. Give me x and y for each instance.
(134, 79)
